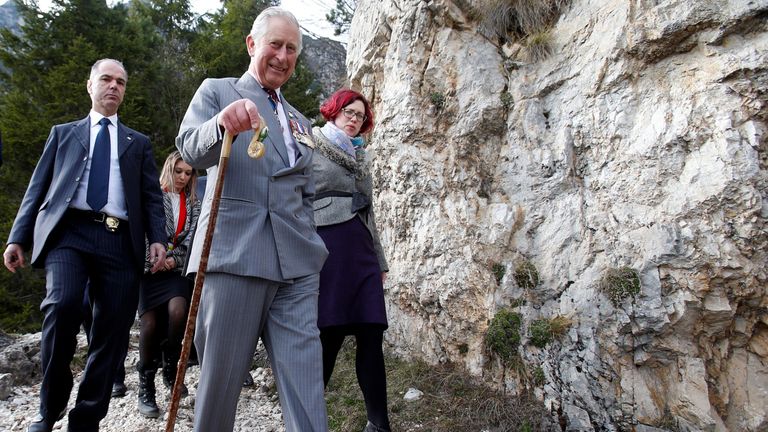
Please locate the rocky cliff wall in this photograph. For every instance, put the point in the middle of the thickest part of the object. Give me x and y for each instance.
(325, 58)
(639, 142)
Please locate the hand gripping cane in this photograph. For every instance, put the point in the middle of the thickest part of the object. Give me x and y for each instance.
(255, 150)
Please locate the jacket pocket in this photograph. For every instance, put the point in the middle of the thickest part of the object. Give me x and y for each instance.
(322, 203)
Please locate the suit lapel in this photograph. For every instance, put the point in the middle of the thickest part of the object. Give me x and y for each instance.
(83, 133)
(124, 139)
(247, 87)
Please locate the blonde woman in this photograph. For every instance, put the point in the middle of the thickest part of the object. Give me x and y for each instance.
(164, 296)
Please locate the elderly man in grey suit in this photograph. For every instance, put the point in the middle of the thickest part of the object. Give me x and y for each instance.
(93, 198)
(263, 270)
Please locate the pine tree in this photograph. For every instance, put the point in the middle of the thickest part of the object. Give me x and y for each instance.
(44, 83)
(220, 52)
(167, 53)
(341, 15)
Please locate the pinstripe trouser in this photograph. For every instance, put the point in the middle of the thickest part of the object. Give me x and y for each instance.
(81, 251)
(234, 312)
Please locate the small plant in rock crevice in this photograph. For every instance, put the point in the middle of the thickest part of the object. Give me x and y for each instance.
(518, 20)
(526, 275)
(503, 336)
(438, 100)
(620, 283)
(544, 331)
(499, 270)
(507, 101)
(538, 46)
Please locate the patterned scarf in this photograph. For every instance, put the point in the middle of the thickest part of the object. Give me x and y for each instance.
(338, 137)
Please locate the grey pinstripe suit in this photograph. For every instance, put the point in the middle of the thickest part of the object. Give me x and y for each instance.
(262, 275)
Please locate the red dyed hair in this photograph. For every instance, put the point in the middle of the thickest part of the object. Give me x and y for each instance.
(333, 105)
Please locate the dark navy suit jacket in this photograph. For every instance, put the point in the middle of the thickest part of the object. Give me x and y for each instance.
(58, 173)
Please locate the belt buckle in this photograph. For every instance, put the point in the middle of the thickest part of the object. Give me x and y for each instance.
(111, 223)
(99, 217)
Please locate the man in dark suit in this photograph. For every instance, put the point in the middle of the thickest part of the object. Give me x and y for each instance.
(265, 259)
(92, 199)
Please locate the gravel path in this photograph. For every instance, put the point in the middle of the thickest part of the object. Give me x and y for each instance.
(258, 409)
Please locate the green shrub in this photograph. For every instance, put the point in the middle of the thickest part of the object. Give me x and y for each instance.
(503, 337)
(20, 297)
(540, 334)
(538, 376)
(518, 302)
(620, 283)
(544, 331)
(438, 100)
(526, 275)
(499, 270)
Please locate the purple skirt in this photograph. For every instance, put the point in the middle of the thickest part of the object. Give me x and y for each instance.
(351, 291)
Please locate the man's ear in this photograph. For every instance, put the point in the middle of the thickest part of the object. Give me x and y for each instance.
(250, 44)
(88, 86)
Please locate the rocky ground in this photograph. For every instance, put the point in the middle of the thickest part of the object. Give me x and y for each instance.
(257, 411)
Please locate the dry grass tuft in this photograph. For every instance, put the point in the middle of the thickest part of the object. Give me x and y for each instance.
(452, 400)
(620, 283)
(528, 21)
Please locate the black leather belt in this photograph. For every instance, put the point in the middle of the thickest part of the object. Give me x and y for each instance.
(111, 223)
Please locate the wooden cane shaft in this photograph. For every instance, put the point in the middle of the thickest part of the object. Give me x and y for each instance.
(186, 344)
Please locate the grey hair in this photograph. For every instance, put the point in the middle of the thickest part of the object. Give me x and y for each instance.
(259, 28)
(95, 67)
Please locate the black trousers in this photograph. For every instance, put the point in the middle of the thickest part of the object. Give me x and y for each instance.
(88, 324)
(82, 250)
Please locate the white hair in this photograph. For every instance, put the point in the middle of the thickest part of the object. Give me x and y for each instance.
(259, 28)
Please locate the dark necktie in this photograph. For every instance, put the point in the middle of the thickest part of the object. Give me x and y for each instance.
(98, 179)
(273, 98)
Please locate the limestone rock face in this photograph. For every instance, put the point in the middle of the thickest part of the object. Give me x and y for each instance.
(639, 142)
(325, 59)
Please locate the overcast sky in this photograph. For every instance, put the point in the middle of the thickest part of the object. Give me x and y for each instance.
(310, 13)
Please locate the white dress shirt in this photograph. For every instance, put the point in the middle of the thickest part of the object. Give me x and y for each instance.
(290, 144)
(116, 196)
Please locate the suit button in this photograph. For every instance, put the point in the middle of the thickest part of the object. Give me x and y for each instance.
(77, 179)
(296, 215)
(85, 158)
(69, 199)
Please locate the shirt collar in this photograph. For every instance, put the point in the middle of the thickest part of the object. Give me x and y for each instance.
(96, 118)
(277, 90)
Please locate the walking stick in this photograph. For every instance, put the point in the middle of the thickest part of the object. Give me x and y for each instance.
(255, 150)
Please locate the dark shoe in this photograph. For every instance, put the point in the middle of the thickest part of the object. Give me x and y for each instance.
(370, 427)
(169, 376)
(39, 424)
(147, 403)
(248, 380)
(119, 390)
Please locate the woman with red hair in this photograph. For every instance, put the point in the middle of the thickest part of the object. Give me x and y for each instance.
(351, 299)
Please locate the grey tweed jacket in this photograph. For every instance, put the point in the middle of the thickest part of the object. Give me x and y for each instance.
(336, 171)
